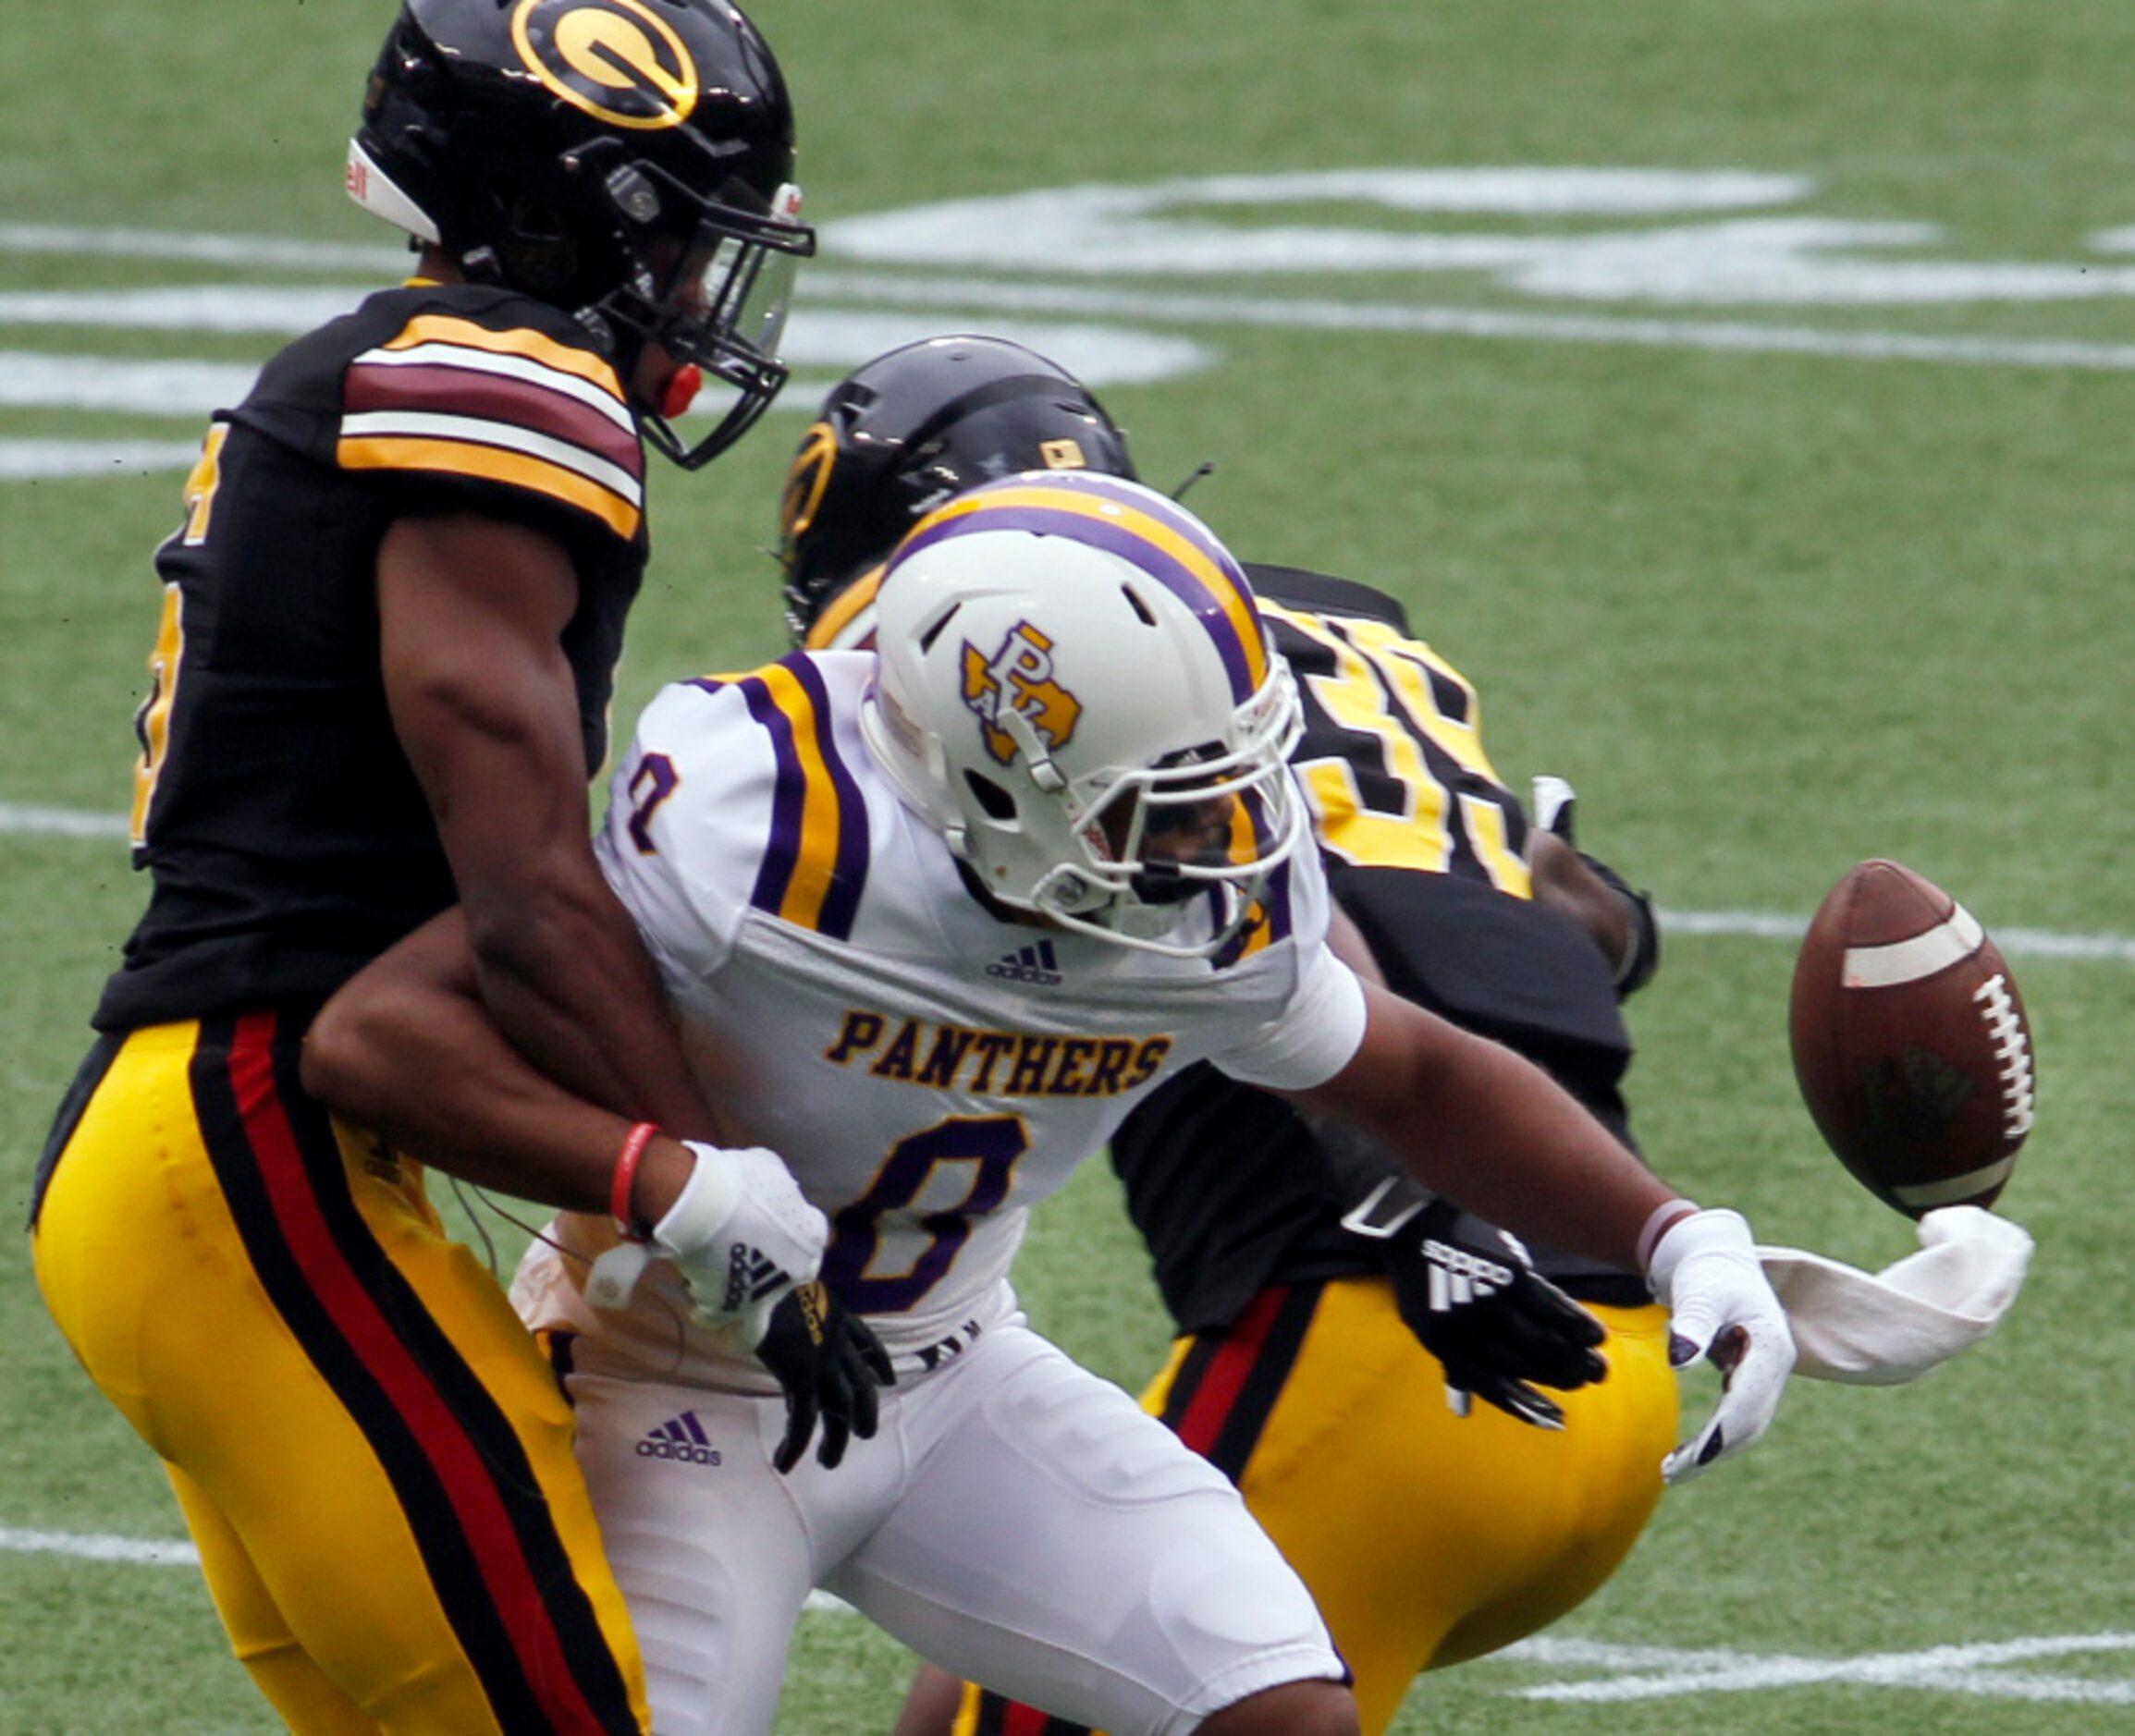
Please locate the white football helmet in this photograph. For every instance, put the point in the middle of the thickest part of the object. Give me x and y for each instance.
(1074, 686)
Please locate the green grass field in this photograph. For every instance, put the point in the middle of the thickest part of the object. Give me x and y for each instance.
(1778, 495)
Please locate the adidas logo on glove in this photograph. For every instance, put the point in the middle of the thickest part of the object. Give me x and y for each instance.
(1459, 1275)
(752, 1275)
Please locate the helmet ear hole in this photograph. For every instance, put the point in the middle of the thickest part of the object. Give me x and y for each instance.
(937, 628)
(997, 803)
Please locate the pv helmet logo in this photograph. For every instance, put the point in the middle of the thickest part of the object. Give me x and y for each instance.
(1018, 680)
(617, 60)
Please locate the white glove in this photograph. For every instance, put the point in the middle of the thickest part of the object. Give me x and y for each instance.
(743, 1235)
(1721, 1306)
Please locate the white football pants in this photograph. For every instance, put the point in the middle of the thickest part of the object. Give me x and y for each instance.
(1016, 1519)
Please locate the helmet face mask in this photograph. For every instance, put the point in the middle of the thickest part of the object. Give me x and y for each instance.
(909, 431)
(628, 161)
(714, 299)
(1073, 688)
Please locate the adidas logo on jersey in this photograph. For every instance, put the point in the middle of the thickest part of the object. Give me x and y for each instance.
(1028, 964)
(752, 1275)
(683, 1439)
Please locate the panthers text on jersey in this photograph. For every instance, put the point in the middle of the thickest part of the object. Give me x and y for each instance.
(288, 839)
(930, 1066)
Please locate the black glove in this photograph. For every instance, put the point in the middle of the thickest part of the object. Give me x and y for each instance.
(1475, 1302)
(829, 1363)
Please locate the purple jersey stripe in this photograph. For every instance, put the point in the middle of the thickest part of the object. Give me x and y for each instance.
(849, 871)
(789, 798)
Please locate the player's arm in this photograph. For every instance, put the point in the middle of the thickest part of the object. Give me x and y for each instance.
(1469, 1118)
(408, 1047)
(1608, 907)
(1475, 1121)
(1468, 1291)
(472, 613)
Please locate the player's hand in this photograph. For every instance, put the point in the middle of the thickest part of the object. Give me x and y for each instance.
(828, 1363)
(1477, 1304)
(1619, 917)
(743, 1234)
(1721, 1306)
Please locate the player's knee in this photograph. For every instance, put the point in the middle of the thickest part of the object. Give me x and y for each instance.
(1296, 1709)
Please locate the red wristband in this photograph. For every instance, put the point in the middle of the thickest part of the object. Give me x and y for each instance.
(619, 1193)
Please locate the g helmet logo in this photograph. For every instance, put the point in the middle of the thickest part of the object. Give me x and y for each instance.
(616, 59)
(1019, 678)
(805, 483)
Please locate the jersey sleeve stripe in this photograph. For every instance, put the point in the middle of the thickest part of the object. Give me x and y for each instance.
(481, 395)
(848, 866)
(463, 361)
(444, 328)
(1183, 564)
(406, 450)
(816, 862)
(511, 436)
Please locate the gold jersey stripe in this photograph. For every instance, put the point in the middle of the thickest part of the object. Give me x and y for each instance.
(487, 463)
(822, 814)
(444, 328)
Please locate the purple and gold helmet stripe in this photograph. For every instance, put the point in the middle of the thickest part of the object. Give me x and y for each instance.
(1165, 542)
(835, 629)
(815, 863)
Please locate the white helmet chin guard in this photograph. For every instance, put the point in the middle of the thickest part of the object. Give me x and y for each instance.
(1074, 686)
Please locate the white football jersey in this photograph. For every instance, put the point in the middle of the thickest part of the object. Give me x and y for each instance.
(929, 1069)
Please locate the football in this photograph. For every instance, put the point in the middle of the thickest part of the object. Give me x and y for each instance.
(1910, 1044)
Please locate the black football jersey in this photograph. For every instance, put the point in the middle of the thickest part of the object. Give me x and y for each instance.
(1425, 849)
(287, 836)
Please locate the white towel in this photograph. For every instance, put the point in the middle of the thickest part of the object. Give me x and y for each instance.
(1892, 1326)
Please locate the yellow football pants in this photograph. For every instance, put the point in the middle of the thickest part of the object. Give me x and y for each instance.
(1427, 1539)
(372, 1455)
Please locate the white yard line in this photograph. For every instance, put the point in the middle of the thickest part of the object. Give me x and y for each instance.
(1646, 1672)
(1744, 337)
(884, 288)
(26, 819)
(33, 822)
(1623, 1672)
(178, 1552)
(91, 1547)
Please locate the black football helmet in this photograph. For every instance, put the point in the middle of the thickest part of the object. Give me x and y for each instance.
(908, 430)
(628, 161)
